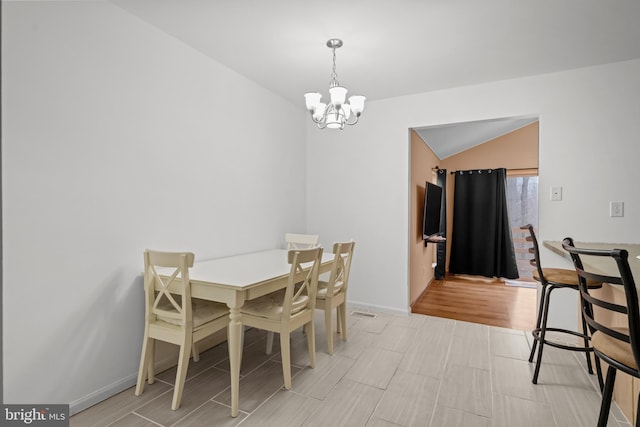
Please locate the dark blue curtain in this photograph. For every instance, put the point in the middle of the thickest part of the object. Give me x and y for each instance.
(481, 242)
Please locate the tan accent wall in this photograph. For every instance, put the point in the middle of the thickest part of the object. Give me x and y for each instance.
(515, 150)
(423, 160)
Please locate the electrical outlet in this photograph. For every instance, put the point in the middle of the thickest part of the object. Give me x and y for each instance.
(556, 194)
(616, 209)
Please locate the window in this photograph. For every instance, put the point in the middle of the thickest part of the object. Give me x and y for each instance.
(522, 201)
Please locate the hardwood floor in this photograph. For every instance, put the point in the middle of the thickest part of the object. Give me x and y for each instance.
(477, 300)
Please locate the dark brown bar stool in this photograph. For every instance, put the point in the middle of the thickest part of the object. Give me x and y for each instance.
(550, 279)
(618, 346)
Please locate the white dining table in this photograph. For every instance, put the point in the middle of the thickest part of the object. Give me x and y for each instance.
(235, 279)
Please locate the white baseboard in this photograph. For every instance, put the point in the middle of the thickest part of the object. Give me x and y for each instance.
(166, 357)
(102, 394)
(377, 308)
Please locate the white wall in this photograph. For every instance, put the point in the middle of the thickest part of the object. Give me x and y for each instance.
(589, 144)
(97, 107)
(95, 102)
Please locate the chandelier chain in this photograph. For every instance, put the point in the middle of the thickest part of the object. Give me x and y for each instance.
(334, 76)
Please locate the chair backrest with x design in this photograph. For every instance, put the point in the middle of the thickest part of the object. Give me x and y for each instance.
(170, 297)
(301, 288)
(339, 276)
(301, 241)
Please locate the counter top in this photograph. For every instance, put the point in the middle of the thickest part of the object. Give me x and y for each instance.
(601, 264)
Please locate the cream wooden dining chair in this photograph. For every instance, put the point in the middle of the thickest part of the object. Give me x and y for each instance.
(333, 293)
(288, 309)
(171, 315)
(301, 241)
(295, 241)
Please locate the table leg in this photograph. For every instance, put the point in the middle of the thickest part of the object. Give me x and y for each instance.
(235, 355)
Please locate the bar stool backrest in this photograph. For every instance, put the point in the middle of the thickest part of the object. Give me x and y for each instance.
(629, 309)
(534, 250)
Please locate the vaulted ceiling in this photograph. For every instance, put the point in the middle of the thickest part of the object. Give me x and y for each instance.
(399, 47)
(447, 140)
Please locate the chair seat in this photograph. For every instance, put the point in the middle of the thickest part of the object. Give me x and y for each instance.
(323, 287)
(203, 312)
(615, 349)
(270, 306)
(561, 276)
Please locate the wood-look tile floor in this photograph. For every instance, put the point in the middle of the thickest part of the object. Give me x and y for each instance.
(393, 371)
(480, 301)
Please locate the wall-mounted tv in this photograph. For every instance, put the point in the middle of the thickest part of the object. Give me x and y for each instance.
(432, 205)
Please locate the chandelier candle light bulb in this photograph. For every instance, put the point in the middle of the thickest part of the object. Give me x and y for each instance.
(339, 111)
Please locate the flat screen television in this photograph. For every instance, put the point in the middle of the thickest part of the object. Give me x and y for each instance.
(432, 205)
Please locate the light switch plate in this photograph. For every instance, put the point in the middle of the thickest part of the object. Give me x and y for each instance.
(616, 209)
(556, 194)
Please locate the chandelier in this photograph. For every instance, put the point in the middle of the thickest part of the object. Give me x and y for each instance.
(338, 112)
